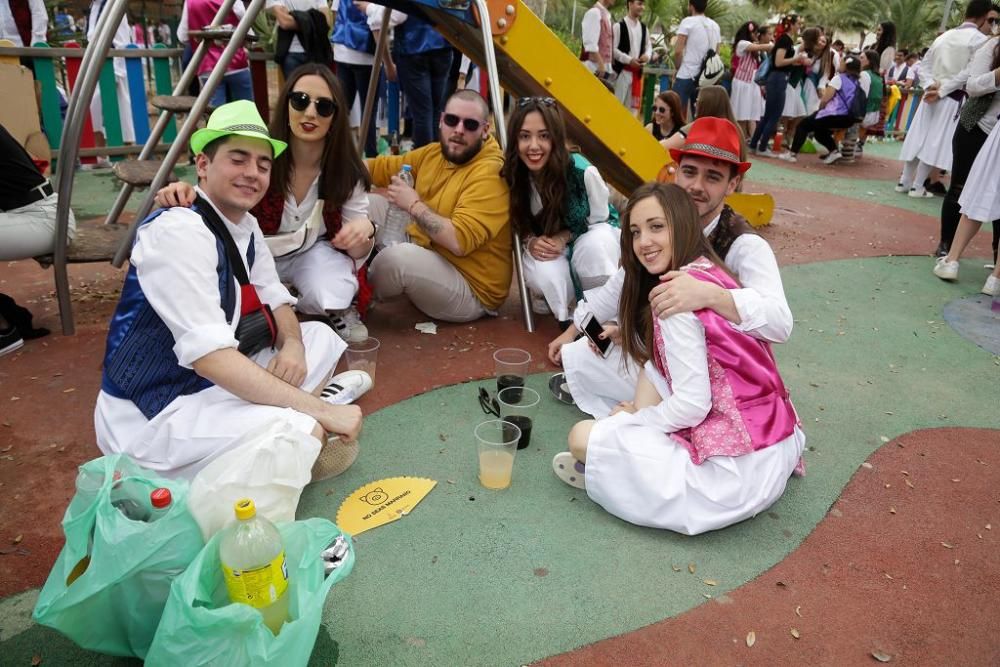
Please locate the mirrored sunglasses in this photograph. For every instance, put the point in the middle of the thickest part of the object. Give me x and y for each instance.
(525, 101)
(470, 124)
(325, 107)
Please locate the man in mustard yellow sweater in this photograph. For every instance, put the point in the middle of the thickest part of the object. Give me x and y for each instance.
(458, 266)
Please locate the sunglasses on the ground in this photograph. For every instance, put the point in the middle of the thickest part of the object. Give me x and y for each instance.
(488, 403)
(470, 124)
(325, 107)
(525, 101)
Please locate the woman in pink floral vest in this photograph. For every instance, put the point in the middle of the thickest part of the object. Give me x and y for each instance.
(711, 437)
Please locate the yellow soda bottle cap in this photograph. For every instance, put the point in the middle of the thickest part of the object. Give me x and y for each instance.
(245, 509)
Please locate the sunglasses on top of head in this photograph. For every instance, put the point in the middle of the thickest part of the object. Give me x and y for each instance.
(470, 124)
(325, 107)
(525, 101)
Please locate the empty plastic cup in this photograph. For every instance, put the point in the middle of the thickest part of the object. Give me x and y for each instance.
(362, 356)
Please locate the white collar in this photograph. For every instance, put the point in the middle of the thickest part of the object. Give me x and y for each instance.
(710, 227)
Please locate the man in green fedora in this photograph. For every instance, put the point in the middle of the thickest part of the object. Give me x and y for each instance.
(204, 346)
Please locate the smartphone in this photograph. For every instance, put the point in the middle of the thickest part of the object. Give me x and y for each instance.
(592, 329)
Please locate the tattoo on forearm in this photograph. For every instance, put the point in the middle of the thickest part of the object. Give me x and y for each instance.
(429, 221)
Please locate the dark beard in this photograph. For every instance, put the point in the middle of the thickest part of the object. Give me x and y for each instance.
(465, 155)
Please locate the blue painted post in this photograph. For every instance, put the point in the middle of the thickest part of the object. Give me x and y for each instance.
(393, 107)
(137, 94)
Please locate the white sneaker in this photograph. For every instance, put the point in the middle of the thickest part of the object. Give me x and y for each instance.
(946, 270)
(788, 156)
(920, 193)
(569, 470)
(992, 286)
(766, 153)
(346, 387)
(901, 188)
(347, 323)
(539, 305)
(832, 157)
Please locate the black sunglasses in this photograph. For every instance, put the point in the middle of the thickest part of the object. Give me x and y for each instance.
(325, 107)
(470, 124)
(525, 101)
(993, 21)
(660, 109)
(488, 403)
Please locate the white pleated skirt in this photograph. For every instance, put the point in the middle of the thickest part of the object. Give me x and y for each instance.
(980, 198)
(643, 476)
(930, 134)
(794, 105)
(748, 103)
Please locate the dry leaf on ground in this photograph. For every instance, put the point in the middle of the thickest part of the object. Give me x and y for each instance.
(881, 656)
(691, 568)
(795, 633)
(751, 638)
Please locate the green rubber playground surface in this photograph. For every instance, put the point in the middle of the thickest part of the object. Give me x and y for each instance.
(479, 577)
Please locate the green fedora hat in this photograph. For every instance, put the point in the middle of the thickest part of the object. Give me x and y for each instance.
(240, 118)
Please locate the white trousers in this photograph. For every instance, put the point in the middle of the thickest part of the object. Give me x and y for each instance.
(595, 259)
(124, 109)
(30, 231)
(623, 88)
(194, 429)
(323, 276)
(598, 384)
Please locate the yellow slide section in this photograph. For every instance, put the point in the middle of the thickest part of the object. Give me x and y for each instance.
(532, 60)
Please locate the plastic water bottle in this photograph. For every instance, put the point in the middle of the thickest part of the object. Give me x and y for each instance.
(131, 497)
(253, 564)
(396, 219)
(161, 501)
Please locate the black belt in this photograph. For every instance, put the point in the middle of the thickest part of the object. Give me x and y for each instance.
(36, 193)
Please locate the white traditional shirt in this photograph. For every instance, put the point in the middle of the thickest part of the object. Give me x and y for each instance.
(39, 23)
(636, 49)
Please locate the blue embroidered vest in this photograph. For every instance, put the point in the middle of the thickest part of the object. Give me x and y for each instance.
(414, 35)
(351, 29)
(139, 360)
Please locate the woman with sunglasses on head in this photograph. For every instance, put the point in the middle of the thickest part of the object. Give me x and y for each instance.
(750, 42)
(711, 437)
(668, 117)
(559, 203)
(319, 250)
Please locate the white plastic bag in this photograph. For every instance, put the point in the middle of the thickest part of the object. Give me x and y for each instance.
(272, 465)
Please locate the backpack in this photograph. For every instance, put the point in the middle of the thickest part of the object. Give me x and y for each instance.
(857, 106)
(763, 71)
(712, 68)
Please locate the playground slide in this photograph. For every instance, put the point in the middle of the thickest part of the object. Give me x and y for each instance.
(532, 60)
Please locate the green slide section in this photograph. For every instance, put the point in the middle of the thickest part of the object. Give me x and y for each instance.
(479, 577)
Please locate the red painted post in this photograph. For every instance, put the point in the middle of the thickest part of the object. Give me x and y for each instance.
(72, 72)
(258, 77)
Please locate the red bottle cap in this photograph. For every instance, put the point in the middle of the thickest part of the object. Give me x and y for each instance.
(160, 498)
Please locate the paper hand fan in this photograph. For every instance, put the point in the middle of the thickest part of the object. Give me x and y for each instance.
(378, 503)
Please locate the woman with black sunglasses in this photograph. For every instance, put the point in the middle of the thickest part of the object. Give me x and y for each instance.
(315, 213)
(559, 203)
(668, 117)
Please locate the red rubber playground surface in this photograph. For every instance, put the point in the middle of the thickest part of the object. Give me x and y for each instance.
(903, 567)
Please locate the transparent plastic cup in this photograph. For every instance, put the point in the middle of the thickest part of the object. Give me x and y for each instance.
(519, 406)
(363, 356)
(496, 445)
(511, 366)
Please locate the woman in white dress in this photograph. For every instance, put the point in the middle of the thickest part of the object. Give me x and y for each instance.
(811, 88)
(751, 41)
(559, 203)
(795, 103)
(707, 442)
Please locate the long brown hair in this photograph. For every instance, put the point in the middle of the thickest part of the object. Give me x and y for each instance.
(550, 182)
(688, 243)
(714, 101)
(673, 102)
(341, 168)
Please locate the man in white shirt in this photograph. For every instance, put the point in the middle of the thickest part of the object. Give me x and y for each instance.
(23, 22)
(696, 36)
(122, 38)
(709, 169)
(899, 71)
(186, 374)
(928, 141)
(596, 33)
(632, 50)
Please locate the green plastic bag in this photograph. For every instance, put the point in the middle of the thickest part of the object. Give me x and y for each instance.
(115, 605)
(201, 627)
